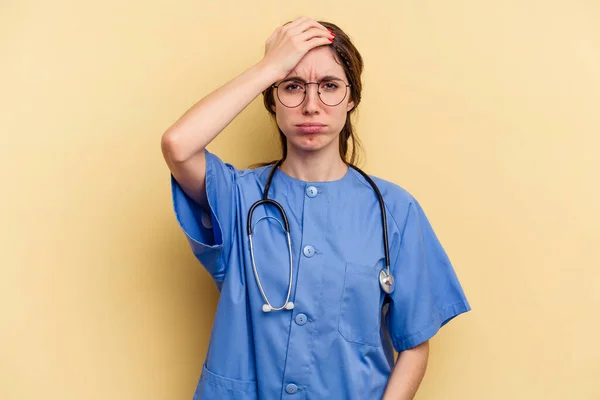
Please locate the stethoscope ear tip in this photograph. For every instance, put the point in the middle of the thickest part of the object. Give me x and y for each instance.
(266, 308)
(288, 306)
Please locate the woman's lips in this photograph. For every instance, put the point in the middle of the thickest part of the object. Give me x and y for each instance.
(310, 128)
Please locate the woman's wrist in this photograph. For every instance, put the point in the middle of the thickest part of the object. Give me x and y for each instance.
(267, 73)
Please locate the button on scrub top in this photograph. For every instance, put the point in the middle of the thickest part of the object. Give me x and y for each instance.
(338, 341)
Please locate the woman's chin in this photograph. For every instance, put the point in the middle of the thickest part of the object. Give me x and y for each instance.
(309, 142)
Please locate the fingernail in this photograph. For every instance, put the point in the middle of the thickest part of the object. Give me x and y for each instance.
(331, 40)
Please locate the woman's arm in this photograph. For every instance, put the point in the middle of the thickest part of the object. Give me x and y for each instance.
(407, 373)
(184, 142)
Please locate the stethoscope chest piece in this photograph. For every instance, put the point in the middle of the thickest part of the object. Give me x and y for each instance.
(386, 280)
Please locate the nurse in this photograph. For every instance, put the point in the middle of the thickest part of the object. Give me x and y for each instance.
(331, 330)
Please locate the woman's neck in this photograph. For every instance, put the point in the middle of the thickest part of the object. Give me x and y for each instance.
(316, 166)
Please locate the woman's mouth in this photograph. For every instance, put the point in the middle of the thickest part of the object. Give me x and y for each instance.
(310, 128)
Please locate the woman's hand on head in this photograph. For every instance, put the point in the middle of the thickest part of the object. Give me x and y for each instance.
(289, 43)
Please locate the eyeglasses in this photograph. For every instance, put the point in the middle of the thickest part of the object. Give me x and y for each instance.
(292, 92)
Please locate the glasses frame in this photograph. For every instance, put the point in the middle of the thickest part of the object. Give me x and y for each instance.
(276, 87)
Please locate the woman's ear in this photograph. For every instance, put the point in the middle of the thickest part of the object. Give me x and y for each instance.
(273, 100)
(350, 106)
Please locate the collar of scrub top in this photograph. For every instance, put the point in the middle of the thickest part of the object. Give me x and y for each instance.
(386, 279)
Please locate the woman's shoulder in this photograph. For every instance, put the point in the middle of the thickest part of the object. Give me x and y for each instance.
(256, 172)
(397, 199)
(392, 193)
(249, 172)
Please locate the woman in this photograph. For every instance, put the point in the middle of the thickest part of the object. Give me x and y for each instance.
(320, 318)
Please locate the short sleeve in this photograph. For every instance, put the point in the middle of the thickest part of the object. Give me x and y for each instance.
(427, 292)
(209, 234)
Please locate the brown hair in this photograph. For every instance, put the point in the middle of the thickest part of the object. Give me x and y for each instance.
(350, 59)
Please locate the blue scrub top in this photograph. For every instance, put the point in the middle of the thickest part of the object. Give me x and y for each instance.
(337, 343)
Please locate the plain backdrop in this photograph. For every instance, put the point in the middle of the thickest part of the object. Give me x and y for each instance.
(486, 111)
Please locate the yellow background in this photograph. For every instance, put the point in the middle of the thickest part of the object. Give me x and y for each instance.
(487, 111)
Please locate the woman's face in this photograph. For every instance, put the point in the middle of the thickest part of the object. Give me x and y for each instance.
(315, 65)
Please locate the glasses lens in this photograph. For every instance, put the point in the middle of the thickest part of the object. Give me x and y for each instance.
(291, 93)
(332, 92)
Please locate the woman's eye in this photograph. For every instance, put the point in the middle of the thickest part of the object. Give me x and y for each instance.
(292, 87)
(330, 86)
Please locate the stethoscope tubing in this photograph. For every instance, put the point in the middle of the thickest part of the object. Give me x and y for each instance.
(385, 275)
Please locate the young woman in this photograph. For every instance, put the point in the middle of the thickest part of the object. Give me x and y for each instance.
(322, 269)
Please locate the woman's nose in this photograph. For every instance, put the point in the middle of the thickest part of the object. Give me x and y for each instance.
(311, 99)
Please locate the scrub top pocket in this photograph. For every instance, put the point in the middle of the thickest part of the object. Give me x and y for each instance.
(360, 313)
(212, 386)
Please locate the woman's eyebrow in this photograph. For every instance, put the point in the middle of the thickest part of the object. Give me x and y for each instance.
(323, 78)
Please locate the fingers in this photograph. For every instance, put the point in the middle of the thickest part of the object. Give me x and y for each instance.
(316, 42)
(285, 27)
(315, 33)
(302, 26)
(295, 23)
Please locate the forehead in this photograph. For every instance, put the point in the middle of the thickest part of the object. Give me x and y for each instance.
(318, 62)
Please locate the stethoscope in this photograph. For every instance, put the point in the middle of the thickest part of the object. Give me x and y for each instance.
(386, 280)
